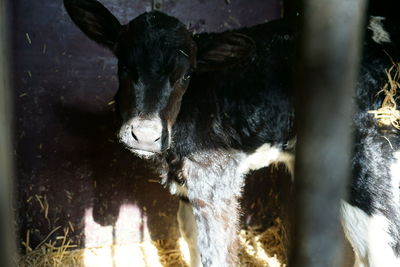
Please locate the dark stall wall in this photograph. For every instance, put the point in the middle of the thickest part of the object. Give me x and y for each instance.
(70, 170)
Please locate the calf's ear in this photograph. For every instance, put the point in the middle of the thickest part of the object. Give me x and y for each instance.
(94, 20)
(224, 51)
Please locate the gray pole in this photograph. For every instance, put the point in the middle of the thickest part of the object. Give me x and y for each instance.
(7, 237)
(327, 68)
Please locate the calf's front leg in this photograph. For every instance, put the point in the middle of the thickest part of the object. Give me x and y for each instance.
(217, 225)
(210, 232)
(188, 230)
(210, 222)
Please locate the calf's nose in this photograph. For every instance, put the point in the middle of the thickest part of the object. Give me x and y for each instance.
(146, 135)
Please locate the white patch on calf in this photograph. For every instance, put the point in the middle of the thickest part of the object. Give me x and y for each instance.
(369, 237)
(264, 156)
(179, 190)
(355, 224)
(379, 35)
(287, 159)
(379, 239)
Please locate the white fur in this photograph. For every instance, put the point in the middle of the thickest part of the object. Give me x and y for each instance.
(379, 239)
(369, 236)
(379, 35)
(188, 229)
(355, 224)
(142, 153)
(264, 156)
(179, 190)
(287, 159)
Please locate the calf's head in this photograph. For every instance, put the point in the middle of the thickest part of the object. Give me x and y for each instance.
(156, 57)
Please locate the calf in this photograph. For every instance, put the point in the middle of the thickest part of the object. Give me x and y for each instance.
(210, 107)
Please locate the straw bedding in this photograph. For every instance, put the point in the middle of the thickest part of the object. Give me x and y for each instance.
(388, 114)
(257, 248)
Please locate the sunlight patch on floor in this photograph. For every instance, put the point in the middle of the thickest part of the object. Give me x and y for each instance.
(127, 243)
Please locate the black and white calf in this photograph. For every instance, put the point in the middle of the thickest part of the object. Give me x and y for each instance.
(210, 107)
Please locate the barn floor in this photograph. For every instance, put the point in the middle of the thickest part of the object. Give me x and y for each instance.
(120, 226)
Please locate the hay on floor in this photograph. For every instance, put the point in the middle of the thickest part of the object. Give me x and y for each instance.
(257, 248)
(388, 114)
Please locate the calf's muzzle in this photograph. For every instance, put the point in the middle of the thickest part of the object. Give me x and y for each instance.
(142, 134)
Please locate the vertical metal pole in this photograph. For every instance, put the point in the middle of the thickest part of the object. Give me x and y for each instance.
(7, 237)
(327, 68)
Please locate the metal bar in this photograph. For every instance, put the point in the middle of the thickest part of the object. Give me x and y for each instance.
(327, 68)
(7, 240)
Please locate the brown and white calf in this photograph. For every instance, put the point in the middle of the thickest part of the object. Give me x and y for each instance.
(210, 107)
